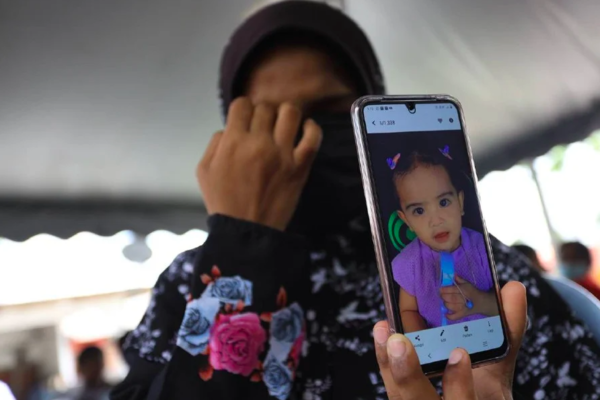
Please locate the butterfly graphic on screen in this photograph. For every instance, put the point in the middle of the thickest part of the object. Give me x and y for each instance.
(446, 152)
(392, 162)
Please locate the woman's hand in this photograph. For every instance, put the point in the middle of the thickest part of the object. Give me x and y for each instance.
(483, 302)
(404, 379)
(253, 170)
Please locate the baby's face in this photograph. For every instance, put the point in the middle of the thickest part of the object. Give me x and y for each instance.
(431, 207)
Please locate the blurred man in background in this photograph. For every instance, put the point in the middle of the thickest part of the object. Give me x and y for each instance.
(90, 365)
(531, 254)
(576, 264)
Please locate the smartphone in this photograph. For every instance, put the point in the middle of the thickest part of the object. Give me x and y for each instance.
(433, 252)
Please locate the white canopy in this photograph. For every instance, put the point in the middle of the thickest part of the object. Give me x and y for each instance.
(106, 106)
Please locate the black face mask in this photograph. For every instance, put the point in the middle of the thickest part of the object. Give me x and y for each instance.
(333, 195)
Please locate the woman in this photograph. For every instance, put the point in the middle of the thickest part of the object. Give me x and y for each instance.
(288, 269)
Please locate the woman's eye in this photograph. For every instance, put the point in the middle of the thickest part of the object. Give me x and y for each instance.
(444, 202)
(419, 211)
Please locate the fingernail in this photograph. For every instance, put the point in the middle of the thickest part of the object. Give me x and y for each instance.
(397, 347)
(381, 335)
(455, 357)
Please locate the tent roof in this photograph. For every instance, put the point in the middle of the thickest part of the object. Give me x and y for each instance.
(106, 107)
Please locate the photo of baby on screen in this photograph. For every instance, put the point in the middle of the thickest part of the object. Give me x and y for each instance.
(444, 273)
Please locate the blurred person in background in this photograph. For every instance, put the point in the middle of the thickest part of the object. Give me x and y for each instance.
(531, 254)
(575, 263)
(90, 366)
(281, 299)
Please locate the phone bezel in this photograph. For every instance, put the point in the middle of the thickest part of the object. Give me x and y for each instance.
(393, 315)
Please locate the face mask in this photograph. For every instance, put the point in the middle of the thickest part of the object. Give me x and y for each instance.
(573, 270)
(333, 195)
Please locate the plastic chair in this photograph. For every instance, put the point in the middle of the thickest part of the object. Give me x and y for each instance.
(584, 304)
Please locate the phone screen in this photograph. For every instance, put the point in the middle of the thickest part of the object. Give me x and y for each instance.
(439, 264)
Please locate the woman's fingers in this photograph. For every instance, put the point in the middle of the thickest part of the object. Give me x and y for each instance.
(514, 300)
(263, 119)
(239, 116)
(408, 378)
(286, 127)
(402, 374)
(399, 366)
(457, 382)
(307, 148)
(211, 150)
(381, 333)
(394, 370)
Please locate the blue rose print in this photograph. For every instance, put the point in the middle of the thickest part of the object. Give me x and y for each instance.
(230, 290)
(194, 331)
(277, 378)
(286, 326)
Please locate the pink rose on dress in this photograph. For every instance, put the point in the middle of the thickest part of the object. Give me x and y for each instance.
(235, 343)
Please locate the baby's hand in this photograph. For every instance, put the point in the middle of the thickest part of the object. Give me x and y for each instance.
(482, 302)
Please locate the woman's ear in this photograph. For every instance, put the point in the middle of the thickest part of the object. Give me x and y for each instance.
(461, 201)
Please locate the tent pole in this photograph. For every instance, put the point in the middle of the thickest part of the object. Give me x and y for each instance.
(556, 240)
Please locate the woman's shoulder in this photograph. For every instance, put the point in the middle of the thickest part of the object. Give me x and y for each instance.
(181, 268)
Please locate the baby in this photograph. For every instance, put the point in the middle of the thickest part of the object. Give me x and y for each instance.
(444, 275)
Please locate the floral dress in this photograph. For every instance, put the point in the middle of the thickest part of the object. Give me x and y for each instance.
(260, 314)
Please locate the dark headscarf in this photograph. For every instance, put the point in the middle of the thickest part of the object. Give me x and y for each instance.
(333, 196)
(315, 19)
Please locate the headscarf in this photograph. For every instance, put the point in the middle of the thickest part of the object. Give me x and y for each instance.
(314, 18)
(333, 196)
